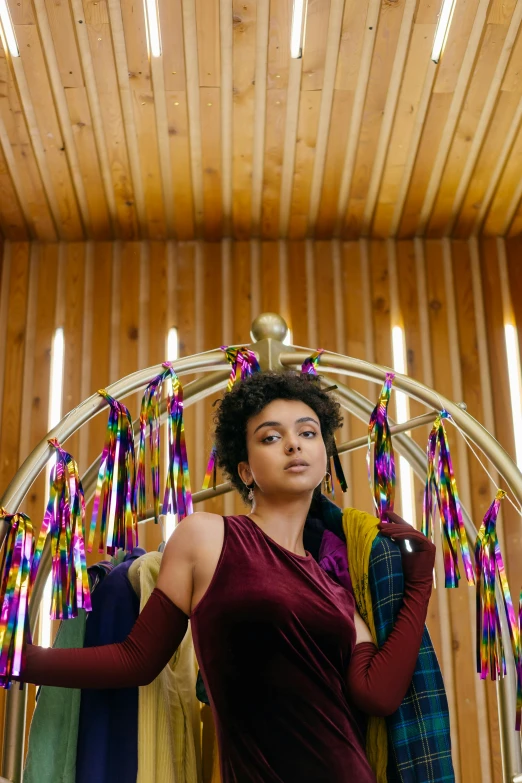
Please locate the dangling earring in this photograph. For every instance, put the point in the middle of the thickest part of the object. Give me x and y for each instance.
(328, 482)
(251, 493)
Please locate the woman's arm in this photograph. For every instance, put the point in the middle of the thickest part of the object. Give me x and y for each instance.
(379, 678)
(157, 633)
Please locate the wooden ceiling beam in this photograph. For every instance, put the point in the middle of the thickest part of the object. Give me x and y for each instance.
(390, 109)
(292, 116)
(363, 76)
(261, 78)
(459, 95)
(485, 117)
(192, 74)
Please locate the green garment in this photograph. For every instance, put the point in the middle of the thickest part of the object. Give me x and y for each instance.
(51, 757)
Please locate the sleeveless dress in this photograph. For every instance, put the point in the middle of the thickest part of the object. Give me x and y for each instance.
(273, 635)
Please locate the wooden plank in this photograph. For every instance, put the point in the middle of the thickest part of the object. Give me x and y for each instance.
(178, 129)
(99, 306)
(475, 488)
(22, 163)
(102, 59)
(259, 131)
(273, 162)
(325, 113)
(209, 60)
(85, 141)
(342, 105)
(212, 315)
(505, 203)
(211, 161)
(226, 20)
(134, 76)
(360, 92)
(309, 113)
(439, 617)
(14, 363)
(384, 79)
(12, 221)
(244, 71)
(47, 139)
(193, 99)
(475, 119)
(270, 294)
(65, 45)
(74, 276)
(173, 55)
(402, 132)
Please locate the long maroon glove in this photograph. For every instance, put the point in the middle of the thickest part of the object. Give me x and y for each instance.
(155, 637)
(379, 678)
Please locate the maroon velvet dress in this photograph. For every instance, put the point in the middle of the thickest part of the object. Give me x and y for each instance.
(273, 636)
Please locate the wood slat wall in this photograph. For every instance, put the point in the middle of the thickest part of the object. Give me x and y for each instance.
(116, 302)
(226, 135)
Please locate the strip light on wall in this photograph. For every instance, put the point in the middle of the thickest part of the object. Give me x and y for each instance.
(298, 28)
(515, 386)
(172, 355)
(55, 414)
(8, 33)
(443, 26)
(403, 414)
(153, 27)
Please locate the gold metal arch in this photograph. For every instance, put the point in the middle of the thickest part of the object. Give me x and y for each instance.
(268, 332)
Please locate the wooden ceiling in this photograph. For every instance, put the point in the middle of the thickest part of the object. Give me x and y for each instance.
(226, 135)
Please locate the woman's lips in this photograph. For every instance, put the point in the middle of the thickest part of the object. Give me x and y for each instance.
(297, 468)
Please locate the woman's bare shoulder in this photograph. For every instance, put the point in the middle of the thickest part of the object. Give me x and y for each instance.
(197, 531)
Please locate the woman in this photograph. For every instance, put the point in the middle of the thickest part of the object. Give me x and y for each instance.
(283, 652)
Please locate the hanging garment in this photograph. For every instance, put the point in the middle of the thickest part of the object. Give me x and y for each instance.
(168, 718)
(108, 727)
(51, 753)
(275, 621)
(419, 744)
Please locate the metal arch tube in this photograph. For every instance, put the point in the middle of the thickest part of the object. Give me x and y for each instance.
(332, 362)
(359, 406)
(16, 699)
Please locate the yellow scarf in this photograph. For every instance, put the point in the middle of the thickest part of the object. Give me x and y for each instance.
(360, 530)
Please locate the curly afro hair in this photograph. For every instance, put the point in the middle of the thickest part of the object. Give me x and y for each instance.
(248, 398)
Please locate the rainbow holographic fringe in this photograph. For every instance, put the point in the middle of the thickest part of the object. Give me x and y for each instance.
(114, 501)
(244, 364)
(491, 657)
(15, 590)
(64, 523)
(309, 367)
(518, 725)
(177, 497)
(441, 485)
(382, 477)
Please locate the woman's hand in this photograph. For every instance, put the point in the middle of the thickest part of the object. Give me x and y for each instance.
(418, 563)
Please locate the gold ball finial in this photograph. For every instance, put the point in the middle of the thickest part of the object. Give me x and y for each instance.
(269, 325)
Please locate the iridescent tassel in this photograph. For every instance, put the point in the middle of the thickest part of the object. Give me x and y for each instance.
(15, 590)
(382, 482)
(244, 364)
(519, 667)
(441, 484)
(115, 500)
(178, 495)
(64, 523)
(488, 559)
(309, 365)
(177, 492)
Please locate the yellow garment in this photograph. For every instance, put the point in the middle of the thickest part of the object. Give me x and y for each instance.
(168, 712)
(360, 530)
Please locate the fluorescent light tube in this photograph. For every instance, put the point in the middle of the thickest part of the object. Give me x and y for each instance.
(153, 28)
(403, 414)
(296, 36)
(8, 29)
(515, 387)
(443, 25)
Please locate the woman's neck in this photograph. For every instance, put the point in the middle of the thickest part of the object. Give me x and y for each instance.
(283, 521)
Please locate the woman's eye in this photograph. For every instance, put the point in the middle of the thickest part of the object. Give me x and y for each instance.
(267, 437)
(309, 432)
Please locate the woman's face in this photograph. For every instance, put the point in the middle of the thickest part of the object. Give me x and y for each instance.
(282, 432)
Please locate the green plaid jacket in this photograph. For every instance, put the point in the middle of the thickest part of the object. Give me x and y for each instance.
(419, 731)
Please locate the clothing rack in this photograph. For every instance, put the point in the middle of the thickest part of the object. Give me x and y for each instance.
(268, 332)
